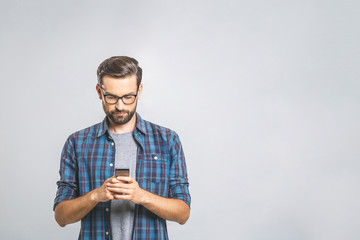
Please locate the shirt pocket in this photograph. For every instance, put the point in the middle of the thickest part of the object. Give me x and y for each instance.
(156, 167)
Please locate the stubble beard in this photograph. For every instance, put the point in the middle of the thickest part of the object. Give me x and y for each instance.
(120, 120)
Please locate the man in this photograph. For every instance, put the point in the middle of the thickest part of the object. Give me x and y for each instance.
(124, 207)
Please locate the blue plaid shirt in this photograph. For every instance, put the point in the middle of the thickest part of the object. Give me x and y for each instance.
(88, 159)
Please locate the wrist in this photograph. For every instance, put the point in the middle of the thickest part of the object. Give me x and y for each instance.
(145, 197)
(93, 195)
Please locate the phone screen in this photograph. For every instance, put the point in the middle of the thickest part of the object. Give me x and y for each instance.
(123, 172)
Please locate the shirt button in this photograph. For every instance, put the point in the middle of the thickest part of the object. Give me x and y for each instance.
(111, 164)
(107, 209)
(107, 233)
(112, 144)
(155, 157)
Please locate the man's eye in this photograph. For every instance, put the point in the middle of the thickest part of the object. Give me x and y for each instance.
(128, 97)
(111, 97)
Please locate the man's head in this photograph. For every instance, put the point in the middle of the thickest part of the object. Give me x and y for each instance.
(119, 77)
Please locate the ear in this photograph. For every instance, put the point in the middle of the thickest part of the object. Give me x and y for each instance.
(98, 90)
(139, 91)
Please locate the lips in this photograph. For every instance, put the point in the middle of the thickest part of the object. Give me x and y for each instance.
(119, 113)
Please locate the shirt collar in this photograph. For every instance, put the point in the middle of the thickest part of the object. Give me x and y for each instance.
(140, 124)
(104, 127)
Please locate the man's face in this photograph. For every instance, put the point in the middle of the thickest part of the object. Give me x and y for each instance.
(119, 113)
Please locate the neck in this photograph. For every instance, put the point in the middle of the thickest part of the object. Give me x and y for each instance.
(122, 128)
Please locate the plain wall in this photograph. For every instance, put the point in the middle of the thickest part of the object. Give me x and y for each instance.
(263, 94)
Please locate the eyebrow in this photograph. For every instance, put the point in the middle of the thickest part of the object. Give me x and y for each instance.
(107, 93)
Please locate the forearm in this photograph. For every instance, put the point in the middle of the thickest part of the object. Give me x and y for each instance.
(167, 208)
(71, 211)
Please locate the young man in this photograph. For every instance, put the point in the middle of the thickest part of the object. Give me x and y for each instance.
(124, 207)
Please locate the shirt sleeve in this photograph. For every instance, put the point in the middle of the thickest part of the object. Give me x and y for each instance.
(68, 183)
(179, 184)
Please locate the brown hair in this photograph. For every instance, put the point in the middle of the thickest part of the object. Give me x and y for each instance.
(119, 67)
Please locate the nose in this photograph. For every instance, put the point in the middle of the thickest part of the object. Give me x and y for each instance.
(120, 105)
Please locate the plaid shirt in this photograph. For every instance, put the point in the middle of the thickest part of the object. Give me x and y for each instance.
(88, 159)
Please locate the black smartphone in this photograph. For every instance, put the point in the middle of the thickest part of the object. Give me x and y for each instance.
(123, 172)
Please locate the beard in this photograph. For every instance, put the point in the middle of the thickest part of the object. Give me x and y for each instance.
(120, 120)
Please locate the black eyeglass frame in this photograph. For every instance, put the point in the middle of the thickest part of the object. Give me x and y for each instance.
(127, 95)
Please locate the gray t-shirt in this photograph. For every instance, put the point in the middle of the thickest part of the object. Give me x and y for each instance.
(122, 211)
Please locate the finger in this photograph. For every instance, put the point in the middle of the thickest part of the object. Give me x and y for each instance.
(120, 185)
(114, 180)
(116, 185)
(124, 197)
(115, 190)
(121, 190)
(125, 179)
(110, 179)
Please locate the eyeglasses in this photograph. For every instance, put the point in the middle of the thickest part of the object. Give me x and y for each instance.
(112, 99)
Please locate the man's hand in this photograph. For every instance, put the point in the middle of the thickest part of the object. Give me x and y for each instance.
(126, 188)
(102, 194)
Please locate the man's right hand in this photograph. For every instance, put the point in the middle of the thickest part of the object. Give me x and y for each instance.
(102, 194)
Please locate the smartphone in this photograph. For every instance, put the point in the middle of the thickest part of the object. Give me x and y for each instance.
(123, 172)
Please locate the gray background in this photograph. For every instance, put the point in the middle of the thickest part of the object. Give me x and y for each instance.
(264, 96)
